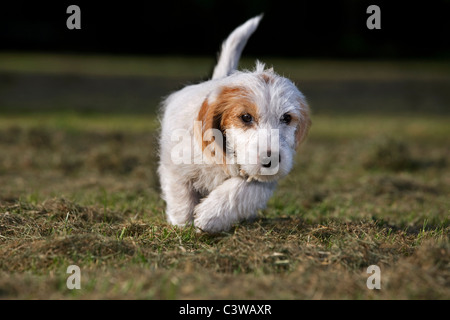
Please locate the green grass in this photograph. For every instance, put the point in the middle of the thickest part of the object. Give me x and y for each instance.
(71, 195)
(200, 67)
(75, 122)
(80, 187)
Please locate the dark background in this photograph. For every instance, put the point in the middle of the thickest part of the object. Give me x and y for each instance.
(303, 28)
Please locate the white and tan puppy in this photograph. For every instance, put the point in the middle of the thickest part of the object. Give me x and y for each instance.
(226, 142)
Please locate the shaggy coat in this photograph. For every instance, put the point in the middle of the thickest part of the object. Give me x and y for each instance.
(226, 142)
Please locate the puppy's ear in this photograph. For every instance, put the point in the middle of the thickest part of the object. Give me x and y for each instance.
(210, 118)
(219, 111)
(303, 126)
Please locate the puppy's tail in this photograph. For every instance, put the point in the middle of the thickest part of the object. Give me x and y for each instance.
(232, 48)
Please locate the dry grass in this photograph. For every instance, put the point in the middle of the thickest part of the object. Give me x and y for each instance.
(78, 186)
(75, 195)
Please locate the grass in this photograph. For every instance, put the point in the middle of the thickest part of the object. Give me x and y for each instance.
(366, 189)
(91, 198)
(198, 67)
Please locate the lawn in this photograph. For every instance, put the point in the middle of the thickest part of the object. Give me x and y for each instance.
(78, 186)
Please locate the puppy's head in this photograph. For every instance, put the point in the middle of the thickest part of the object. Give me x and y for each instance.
(258, 120)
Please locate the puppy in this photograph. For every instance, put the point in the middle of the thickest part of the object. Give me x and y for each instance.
(226, 142)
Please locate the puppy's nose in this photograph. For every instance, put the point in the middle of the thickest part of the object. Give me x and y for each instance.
(266, 159)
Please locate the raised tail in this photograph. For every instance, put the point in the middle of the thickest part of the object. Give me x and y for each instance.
(232, 48)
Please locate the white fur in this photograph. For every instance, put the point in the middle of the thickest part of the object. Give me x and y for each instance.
(214, 196)
(233, 46)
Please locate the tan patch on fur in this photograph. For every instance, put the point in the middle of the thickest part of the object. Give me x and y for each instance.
(303, 125)
(267, 78)
(231, 117)
(225, 113)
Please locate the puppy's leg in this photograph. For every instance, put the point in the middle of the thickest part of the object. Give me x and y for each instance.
(234, 200)
(180, 198)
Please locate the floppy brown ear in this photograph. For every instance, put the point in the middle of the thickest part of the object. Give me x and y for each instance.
(218, 114)
(301, 132)
(210, 116)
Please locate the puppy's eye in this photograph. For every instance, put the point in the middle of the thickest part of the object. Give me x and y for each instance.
(246, 118)
(286, 118)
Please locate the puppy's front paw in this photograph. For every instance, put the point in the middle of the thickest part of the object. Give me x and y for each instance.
(210, 220)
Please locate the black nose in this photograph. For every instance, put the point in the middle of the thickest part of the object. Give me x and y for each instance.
(267, 165)
(268, 157)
